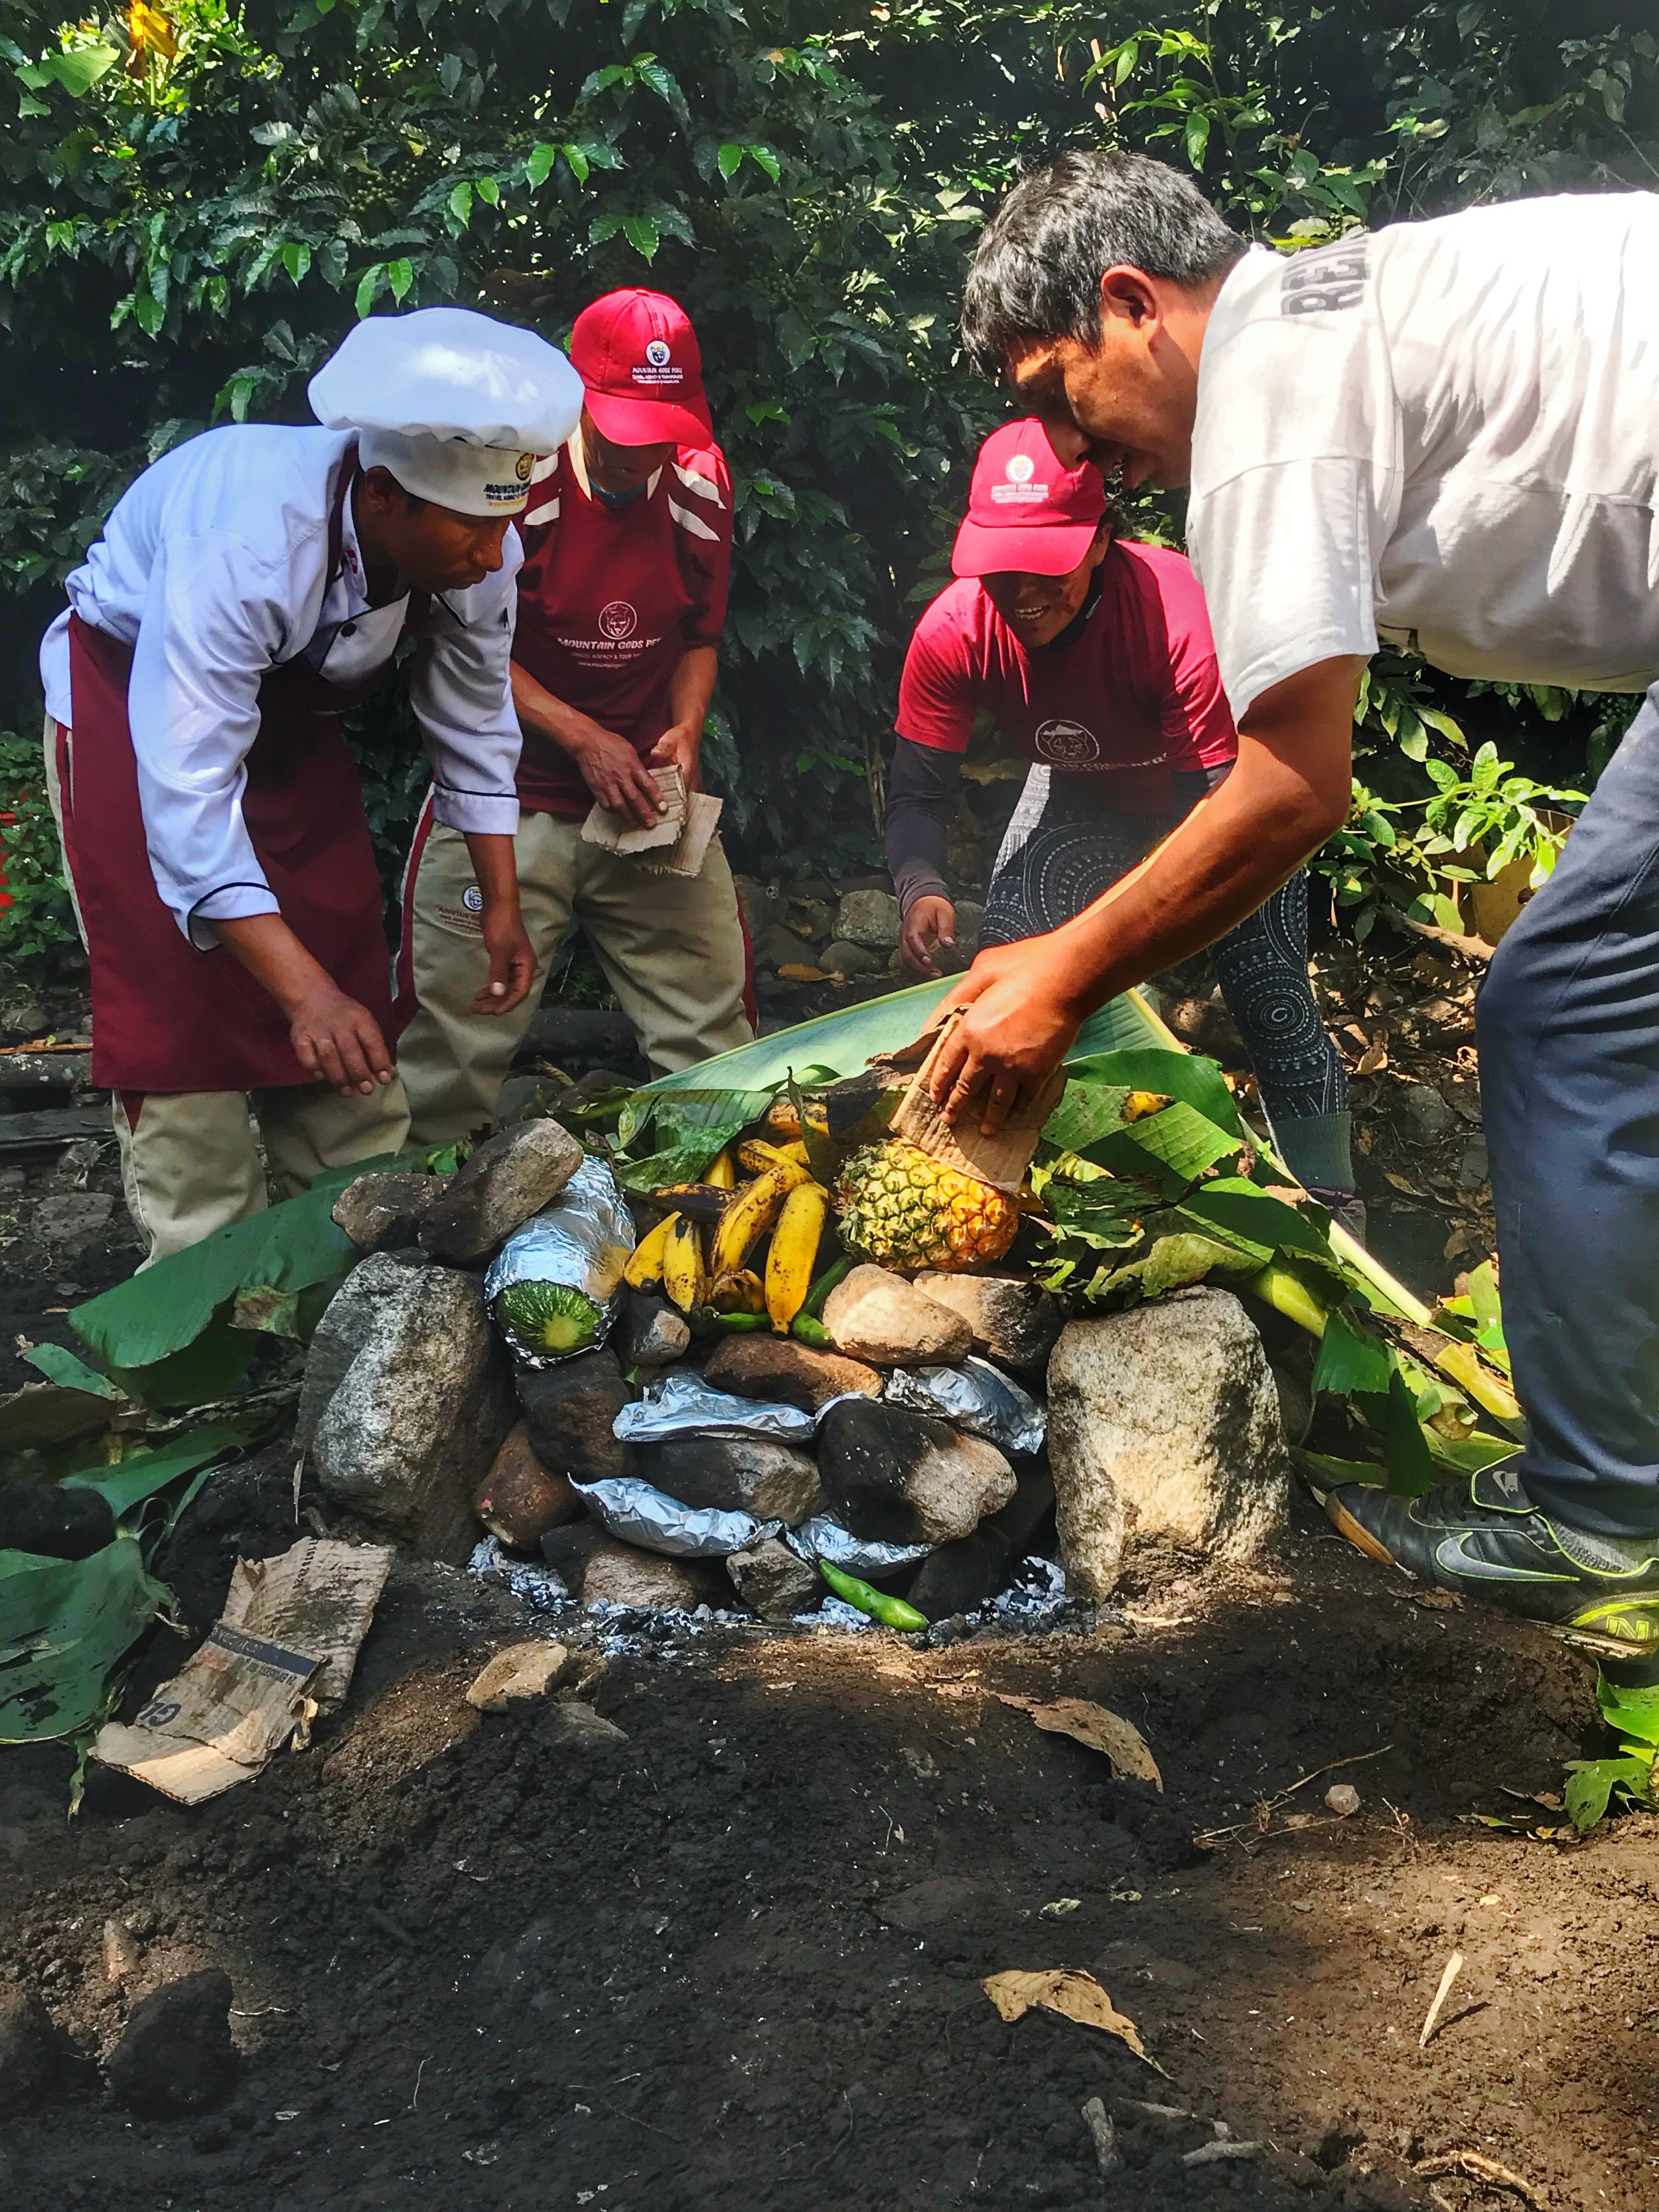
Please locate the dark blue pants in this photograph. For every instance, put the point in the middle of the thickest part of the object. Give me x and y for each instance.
(1569, 1030)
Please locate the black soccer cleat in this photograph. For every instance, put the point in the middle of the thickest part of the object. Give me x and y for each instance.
(1483, 1537)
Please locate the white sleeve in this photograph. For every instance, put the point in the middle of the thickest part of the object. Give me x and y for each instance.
(1295, 490)
(212, 625)
(461, 688)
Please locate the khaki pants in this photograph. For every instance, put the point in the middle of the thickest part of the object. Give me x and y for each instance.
(671, 948)
(190, 1159)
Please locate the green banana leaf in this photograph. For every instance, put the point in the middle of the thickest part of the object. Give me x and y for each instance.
(64, 1625)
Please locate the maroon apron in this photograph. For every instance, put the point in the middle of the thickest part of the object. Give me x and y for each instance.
(167, 1016)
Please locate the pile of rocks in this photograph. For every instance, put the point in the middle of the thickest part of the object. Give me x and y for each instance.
(1163, 1423)
(844, 936)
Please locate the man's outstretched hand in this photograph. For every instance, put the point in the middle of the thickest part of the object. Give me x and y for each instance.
(1017, 1027)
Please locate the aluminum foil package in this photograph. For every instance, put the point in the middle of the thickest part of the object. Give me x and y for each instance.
(822, 1537)
(579, 1243)
(637, 1513)
(975, 1396)
(683, 1405)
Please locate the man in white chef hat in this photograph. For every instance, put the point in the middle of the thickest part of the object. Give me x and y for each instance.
(249, 589)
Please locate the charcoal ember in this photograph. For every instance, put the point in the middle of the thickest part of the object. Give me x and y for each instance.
(507, 1179)
(743, 1475)
(53, 1521)
(906, 1479)
(569, 1409)
(788, 1373)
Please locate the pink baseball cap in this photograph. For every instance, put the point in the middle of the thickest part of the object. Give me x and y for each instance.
(637, 355)
(1026, 509)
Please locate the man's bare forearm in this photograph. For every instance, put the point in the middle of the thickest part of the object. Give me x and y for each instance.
(691, 687)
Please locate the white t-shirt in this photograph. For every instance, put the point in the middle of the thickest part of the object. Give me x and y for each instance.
(214, 566)
(1443, 433)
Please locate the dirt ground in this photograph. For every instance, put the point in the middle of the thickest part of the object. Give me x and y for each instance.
(737, 1954)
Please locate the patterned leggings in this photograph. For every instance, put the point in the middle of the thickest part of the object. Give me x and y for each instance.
(1065, 847)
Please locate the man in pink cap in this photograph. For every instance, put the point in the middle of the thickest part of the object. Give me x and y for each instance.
(622, 601)
(1093, 655)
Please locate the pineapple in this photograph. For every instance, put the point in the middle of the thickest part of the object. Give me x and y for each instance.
(907, 1210)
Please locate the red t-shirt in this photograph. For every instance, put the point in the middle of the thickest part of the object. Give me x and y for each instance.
(1134, 695)
(610, 601)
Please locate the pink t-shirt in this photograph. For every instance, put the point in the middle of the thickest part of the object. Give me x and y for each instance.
(1134, 695)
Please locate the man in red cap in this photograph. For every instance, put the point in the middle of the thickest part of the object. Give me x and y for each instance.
(1094, 657)
(622, 600)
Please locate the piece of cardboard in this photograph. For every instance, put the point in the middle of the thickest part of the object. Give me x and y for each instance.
(616, 833)
(687, 856)
(1000, 1160)
(284, 1646)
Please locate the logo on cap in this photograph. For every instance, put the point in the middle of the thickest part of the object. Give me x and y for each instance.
(1021, 468)
(657, 353)
(658, 370)
(619, 619)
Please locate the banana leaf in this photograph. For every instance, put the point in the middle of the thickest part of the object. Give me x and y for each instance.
(64, 1625)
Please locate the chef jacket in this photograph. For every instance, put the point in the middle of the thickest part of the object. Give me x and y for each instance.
(215, 568)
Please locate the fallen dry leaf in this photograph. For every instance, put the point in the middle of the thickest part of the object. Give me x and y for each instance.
(1374, 1057)
(1068, 1991)
(1101, 1730)
(796, 971)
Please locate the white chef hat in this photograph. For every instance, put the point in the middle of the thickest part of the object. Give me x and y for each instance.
(454, 403)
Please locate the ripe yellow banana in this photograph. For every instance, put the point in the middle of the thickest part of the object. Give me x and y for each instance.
(739, 1293)
(644, 1268)
(771, 1159)
(794, 1247)
(684, 1275)
(719, 1174)
(748, 1216)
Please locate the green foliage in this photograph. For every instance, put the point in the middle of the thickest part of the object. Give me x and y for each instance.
(1592, 1785)
(38, 928)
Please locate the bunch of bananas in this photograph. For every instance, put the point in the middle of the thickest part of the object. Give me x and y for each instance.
(699, 1254)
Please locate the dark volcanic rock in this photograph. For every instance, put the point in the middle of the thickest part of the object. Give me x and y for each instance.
(652, 1333)
(745, 1474)
(906, 1479)
(569, 1410)
(502, 1185)
(31, 2054)
(769, 1577)
(176, 2055)
(962, 1575)
(384, 1212)
(790, 1374)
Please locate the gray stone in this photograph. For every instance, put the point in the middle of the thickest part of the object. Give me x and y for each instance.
(573, 1725)
(760, 907)
(384, 1212)
(963, 1574)
(421, 1412)
(778, 947)
(68, 1224)
(652, 1331)
(31, 2054)
(1165, 1422)
(343, 1330)
(570, 1409)
(741, 1474)
(876, 1315)
(870, 918)
(622, 1574)
(176, 2055)
(1013, 1321)
(903, 1478)
(1475, 1166)
(772, 1582)
(777, 1368)
(519, 1500)
(843, 957)
(1425, 1113)
(507, 1179)
(1296, 1404)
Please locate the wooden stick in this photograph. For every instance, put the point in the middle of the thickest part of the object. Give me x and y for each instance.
(1454, 1968)
(1480, 2168)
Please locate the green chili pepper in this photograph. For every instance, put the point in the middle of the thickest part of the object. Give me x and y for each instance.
(706, 1322)
(812, 1304)
(891, 1612)
(807, 1329)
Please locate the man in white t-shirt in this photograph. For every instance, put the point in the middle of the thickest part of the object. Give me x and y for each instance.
(1445, 433)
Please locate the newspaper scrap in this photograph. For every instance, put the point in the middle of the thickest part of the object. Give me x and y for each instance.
(282, 1650)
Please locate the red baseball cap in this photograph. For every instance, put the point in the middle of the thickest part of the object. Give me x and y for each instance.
(638, 356)
(1026, 509)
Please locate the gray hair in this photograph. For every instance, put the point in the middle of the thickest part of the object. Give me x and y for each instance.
(1036, 274)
